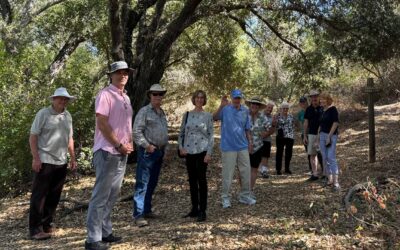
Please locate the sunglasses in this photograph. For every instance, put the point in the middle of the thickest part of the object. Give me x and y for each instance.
(157, 94)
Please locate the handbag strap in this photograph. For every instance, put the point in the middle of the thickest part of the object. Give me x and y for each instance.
(184, 128)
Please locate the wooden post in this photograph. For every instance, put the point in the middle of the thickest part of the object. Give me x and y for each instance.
(371, 121)
(371, 90)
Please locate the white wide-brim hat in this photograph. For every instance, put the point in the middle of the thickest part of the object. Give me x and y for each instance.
(64, 93)
(156, 88)
(257, 100)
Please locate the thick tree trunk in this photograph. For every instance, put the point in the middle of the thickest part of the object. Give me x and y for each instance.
(117, 52)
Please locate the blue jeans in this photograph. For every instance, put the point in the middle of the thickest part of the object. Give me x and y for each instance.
(329, 153)
(147, 173)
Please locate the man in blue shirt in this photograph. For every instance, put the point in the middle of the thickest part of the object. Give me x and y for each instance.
(236, 143)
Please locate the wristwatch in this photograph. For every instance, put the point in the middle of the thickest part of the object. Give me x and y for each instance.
(118, 147)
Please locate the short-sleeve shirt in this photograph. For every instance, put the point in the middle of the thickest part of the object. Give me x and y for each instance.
(234, 124)
(116, 105)
(259, 125)
(300, 118)
(313, 115)
(287, 125)
(54, 131)
(329, 116)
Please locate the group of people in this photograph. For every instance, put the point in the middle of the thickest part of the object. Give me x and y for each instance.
(246, 138)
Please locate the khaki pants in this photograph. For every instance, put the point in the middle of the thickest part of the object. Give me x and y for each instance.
(230, 160)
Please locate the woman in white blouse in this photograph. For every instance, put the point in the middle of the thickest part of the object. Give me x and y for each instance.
(196, 141)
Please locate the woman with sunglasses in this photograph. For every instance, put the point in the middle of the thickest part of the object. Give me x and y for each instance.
(284, 138)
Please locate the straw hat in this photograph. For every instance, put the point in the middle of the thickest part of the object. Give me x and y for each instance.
(257, 100)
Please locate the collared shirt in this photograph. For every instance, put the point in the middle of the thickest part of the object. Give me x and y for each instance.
(54, 131)
(313, 115)
(116, 105)
(198, 133)
(269, 118)
(150, 127)
(259, 125)
(234, 124)
(287, 124)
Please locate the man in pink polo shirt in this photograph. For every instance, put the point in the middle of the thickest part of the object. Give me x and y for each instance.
(112, 144)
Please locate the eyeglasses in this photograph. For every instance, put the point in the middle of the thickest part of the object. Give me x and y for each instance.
(157, 94)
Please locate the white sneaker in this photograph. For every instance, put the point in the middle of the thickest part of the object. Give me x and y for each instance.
(226, 203)
(263, 169)
(247, 200)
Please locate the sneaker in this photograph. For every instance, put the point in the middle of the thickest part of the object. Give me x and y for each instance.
(41, 236)
(98, 245)
(263, 169)
(111, 238)
(247, 200)
(141, 222)
(226, 203)
(336, 187)
(252, 195)
(312, 178)
(264, 174)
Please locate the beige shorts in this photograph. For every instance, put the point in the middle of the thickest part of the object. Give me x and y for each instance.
(311, 149)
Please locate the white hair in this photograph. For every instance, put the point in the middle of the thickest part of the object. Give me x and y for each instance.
(285, 105)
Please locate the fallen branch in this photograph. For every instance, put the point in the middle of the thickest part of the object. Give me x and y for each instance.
(80, 205)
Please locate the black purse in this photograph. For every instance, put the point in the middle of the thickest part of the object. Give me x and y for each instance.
(183, 138)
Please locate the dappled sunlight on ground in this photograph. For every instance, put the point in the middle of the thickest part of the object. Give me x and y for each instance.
(290, 213)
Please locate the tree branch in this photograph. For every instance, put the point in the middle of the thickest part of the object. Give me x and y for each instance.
(62, 56)
(278, 34)
(29, 17)
(242, 24)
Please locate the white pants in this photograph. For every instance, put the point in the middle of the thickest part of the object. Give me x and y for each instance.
(230, 160)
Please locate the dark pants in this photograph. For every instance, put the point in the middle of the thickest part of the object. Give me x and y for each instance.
(147, 172)
(197, 171)
(287, 144)
(46, 191)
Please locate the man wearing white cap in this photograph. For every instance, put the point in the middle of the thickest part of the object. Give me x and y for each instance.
(112, 144)
(50, 141)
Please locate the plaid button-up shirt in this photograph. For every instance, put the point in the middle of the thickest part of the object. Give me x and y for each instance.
(150, 127)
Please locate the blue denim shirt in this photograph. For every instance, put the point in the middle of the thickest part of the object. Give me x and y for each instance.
(235, 123)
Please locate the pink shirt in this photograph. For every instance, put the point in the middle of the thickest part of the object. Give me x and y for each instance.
(116, 105)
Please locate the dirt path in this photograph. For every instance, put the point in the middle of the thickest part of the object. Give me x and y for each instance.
(290, 213)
